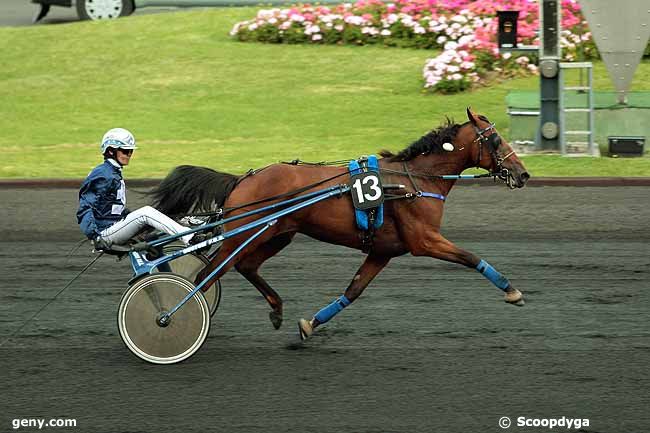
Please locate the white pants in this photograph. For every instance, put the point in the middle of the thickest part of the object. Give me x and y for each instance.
(123, 230)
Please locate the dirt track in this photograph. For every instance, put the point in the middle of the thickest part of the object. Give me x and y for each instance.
(429, 346)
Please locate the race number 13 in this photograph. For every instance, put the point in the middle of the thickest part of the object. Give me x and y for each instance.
(366, 190)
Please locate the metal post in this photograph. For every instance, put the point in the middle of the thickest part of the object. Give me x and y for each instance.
(563, 144)
(549, 60)
(593, 149)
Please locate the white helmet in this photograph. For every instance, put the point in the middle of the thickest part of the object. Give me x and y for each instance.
(118, 138)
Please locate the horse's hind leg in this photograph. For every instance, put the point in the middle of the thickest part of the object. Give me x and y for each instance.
(366, 273)
(249, 265)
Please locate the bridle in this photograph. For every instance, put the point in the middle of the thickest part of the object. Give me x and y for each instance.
(493, 141)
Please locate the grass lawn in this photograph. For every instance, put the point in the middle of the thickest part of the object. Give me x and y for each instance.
(191, 95)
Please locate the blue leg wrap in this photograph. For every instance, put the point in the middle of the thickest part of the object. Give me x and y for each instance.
(493, 275)
(332, 309)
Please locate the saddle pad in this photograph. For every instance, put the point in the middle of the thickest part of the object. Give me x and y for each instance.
(362, 216)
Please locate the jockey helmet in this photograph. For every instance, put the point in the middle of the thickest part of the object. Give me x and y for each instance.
(118, 138)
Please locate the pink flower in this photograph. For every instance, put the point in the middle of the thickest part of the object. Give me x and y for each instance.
(466, 29)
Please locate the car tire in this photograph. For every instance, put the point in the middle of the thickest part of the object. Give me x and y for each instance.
(104, 9)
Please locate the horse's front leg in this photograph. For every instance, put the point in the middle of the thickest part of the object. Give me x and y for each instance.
(440, 248)
(368, 270)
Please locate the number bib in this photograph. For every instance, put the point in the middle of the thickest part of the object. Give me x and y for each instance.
(366, 191)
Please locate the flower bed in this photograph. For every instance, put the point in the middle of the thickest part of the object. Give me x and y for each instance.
(464, 30)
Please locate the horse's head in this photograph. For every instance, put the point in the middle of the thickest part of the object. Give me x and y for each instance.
(488, 150)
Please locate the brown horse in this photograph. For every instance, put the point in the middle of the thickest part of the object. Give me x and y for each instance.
(411, 225)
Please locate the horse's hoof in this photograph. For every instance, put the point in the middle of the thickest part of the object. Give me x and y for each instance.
(514, 297)
(305, 329)
(276, 319)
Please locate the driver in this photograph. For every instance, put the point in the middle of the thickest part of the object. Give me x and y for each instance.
(102, 214)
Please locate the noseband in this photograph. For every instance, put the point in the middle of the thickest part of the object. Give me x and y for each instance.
(493, 141)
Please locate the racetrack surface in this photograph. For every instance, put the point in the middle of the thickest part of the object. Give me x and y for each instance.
(429, 347)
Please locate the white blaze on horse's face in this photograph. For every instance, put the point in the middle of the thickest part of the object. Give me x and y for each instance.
(448, 147)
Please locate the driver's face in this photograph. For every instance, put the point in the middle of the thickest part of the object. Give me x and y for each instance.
(124, 156)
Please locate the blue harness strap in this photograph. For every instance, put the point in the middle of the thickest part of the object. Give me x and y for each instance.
(362, 215)
(373, 165)
(433, 195)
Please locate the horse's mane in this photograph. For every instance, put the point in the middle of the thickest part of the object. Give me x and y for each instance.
(429, 143)
(188, 188)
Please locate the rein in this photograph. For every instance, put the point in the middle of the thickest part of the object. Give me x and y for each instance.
(279, 196)
(501, 173)
(226, 210)
(411, 175)
(439, 176)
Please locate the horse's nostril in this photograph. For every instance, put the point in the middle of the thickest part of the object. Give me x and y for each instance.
(524, 176)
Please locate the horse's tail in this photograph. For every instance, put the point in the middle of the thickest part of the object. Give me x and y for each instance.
(188, 188)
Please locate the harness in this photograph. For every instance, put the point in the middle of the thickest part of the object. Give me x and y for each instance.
(371, 218)
(418, 191)
(493, 141)
(367, 196)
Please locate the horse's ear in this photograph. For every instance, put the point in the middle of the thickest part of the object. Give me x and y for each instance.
(471, 116)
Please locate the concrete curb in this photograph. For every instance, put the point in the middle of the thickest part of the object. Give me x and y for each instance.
(534, 182)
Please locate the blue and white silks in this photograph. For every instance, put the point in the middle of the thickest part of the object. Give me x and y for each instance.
(493, 275)
(332, 309)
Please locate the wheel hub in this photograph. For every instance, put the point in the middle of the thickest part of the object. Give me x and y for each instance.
(103, 9)
(163, 320)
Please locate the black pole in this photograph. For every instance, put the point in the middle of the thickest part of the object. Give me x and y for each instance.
(549, 65)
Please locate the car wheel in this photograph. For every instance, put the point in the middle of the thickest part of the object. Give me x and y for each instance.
(104, 9)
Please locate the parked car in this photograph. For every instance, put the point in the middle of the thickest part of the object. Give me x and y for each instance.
(111, 9)
(89, 9)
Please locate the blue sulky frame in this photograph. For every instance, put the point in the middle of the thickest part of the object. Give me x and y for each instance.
(142, 266)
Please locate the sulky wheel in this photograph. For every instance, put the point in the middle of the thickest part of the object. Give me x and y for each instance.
(103, 9)
(189, 266)
(145, 302)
